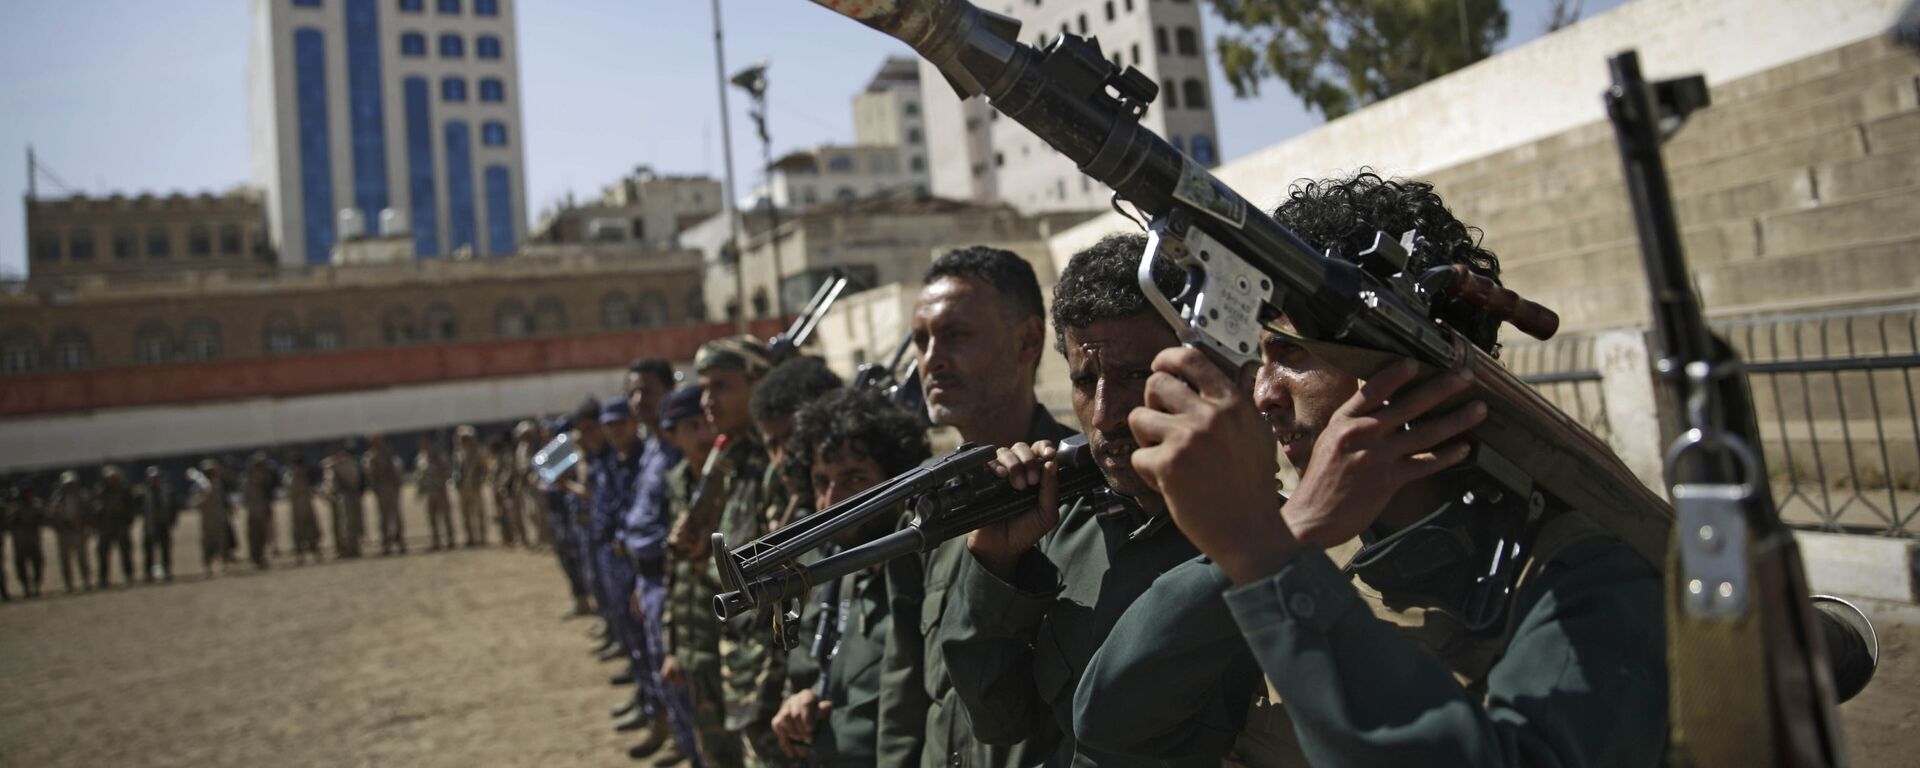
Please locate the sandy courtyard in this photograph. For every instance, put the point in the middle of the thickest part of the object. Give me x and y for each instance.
(440, 659)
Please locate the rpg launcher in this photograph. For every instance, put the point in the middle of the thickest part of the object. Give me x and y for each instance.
(1245, 270)
(948, 497)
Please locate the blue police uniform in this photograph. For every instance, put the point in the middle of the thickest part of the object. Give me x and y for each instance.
(615, 481)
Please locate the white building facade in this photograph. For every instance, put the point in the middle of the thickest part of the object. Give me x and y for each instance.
(979, 155)
(412, 107)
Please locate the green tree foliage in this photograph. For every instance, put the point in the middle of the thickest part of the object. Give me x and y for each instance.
(1341, 55)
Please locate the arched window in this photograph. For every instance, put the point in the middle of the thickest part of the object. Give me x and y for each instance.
(697, 305)
(1160, 40)
(549, 315)
(1169, 95)
(80, 244)
(46, 246)
(616, 312)
(510, 319)
(201, 340)
(486, 7)
(282, 334)
(72, 350)
(453, 89)
(199, 241)
(452, 46)
(651, 310)
(493, 133)
(229, 239)
(126, 243)
(19, 352)
(486, 47)
(437, 323)
(396, 326)
(159, 242)
(1185, 41)
(491, 89)
(449, 6)
(152, 343)
(1194, 93)
(412, 6)
(413, 44)
(1203, 152)
(327, 335)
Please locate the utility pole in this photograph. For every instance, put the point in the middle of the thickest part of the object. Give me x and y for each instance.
(31, 174)
(753, 80)
(726, 150)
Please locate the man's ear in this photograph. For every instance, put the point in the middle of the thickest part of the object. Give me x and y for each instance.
(1033, 340)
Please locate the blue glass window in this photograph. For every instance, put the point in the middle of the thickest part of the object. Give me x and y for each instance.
(1203, 149)
(491, 89)
(412, 6)
(493, 134)
(486, 47)
(413, 44)
(449, 6)
(425, 207)
(460, 224)
(453, 89)
(306, 3)
(499, 211)
(486, 7)
(316, 167)
(366, 109)
(452, 46)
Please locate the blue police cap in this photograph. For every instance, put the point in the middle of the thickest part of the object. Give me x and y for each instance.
(614, 409)
(683, 404)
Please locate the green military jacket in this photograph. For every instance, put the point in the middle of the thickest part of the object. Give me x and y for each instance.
(849, 736)
(688, 623)
(754, 670)
(922, 721)
(1016, 650)
(1375, 666)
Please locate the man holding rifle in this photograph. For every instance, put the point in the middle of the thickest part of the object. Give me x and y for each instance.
(1395, 656)
(1040, 592)
(979, 328)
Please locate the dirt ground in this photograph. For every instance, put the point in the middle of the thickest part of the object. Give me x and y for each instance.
(456, 659)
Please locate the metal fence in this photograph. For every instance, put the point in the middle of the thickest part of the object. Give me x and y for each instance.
(1834, 394)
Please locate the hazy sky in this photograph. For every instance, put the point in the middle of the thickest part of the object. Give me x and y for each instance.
(142, 96)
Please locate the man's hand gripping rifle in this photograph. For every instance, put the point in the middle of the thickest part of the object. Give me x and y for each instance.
(1246, 271)
(951, 496)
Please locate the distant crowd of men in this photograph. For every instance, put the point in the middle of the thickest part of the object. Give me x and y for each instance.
(1183, 613)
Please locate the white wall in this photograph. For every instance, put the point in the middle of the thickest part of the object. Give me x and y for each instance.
(1539, 89)
(132, 433)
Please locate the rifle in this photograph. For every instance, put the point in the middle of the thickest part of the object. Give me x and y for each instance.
(950, 496)
(1245, 270)
(898, 380)
(786, 344)
(1736, 590)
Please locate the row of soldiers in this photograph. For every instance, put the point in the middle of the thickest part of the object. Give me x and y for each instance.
(1185, 613)
(97, 521)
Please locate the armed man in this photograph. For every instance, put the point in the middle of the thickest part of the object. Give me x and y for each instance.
(341, 472)
(470, 479)
(1040, 592)
(256, 492)
(71, 514)
(729, 369)
(642, 541)
(616, 478)
(117, 509)
(979, 328)
(384, 474)
(1392, 656)
(432, 472)
(158, 511)
(689, 628)
(24, 521)
(845, 443)
(306, 525)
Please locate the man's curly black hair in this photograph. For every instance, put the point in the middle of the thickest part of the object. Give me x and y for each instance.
(791, 386)
(1102, 282)
(1343, 215)
(861, 421)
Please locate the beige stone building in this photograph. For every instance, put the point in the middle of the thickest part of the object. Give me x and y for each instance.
(125, 237)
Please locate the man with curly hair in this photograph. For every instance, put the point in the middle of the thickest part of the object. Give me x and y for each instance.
(1040, 592)
(1399, 651)
(845, 443)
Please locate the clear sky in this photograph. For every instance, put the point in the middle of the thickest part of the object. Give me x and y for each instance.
(143, 96)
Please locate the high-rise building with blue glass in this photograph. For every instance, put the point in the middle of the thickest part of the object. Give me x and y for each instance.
(394, 114)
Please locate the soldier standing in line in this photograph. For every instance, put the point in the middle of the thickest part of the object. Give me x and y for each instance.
(431, 475)
(306, 525)
(578, 483)
(506, 499)
(342, 474)
(256, 492)
(470, 477)
(71, 513)
(526, 497)
(116, 523)
(690, 631)
(384, 475)
(210, 488)
(23, 526)
(158, 511)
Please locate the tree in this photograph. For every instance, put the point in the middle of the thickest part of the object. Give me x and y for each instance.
(1341, 55)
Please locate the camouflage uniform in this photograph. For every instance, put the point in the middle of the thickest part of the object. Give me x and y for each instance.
(693, 636)
(755, 670)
